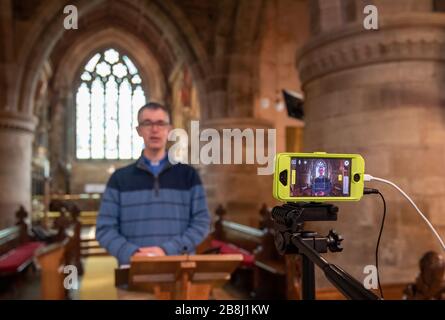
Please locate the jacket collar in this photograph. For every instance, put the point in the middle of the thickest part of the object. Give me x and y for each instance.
(140, 164)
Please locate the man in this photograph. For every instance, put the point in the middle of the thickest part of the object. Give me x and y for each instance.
(152, 207)
(322, 184)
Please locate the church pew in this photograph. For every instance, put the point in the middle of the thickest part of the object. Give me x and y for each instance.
(15, 256)
(86, 207)
(64, 249)
(74, 245)
(65, 223)
(17, 249)
(276, 276)
(85, 202)
(51, 261)
(70, 228)
(232, 237)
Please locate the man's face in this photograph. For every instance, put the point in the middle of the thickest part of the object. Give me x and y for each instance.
(154, 127)
(321, 171)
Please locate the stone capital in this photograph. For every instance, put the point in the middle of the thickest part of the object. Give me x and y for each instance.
(16, 121)
(408, 38)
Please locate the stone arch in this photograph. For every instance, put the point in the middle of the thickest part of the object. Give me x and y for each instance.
(70, 64)
(69, 61)
(172, 30)
(37, 46)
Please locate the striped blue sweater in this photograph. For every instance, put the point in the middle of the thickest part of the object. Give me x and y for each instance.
(139, 209)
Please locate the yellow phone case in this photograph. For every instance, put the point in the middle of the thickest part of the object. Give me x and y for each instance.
(282, 162)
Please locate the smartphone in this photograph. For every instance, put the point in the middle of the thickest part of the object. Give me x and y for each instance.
(318, 177)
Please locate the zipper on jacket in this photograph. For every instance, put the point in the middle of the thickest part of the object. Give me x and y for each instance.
(156, 177)
(156, 185)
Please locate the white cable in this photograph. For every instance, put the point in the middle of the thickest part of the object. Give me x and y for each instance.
(368, 177)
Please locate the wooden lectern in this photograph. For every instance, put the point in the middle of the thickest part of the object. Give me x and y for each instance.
(186, 277)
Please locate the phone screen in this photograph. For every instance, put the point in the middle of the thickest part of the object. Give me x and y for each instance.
(320, 177)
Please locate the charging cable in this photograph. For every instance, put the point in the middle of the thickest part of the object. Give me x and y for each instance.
(375, 191)
(368, 177)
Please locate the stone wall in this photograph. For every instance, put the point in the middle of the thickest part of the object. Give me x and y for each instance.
(285, 30)
(379, 94)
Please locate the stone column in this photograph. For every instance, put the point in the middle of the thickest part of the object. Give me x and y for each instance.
(380, 94)
(238, 187)
(16, 134)
(61, 137)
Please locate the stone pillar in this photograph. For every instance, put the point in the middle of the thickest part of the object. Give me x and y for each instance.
(380, 94)
(238, 187)
(61, 137)
(16, 134)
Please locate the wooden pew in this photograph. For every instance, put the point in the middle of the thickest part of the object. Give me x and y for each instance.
(51, 260)
(63, 249)
(229, 236)
(83, 210)
(70, 228)
(275, 276)
(429, 283)
(17, 248)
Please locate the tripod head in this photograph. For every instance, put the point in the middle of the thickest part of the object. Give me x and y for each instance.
(289, 222)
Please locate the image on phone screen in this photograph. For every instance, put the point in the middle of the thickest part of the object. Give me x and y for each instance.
(317, 177)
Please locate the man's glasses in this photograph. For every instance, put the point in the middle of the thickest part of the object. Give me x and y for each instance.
(151, 125)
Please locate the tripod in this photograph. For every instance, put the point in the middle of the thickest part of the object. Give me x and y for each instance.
(291, 238)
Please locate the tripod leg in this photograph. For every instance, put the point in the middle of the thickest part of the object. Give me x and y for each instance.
(308, 279)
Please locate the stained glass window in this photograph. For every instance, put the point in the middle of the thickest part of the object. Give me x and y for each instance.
(107, 101)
